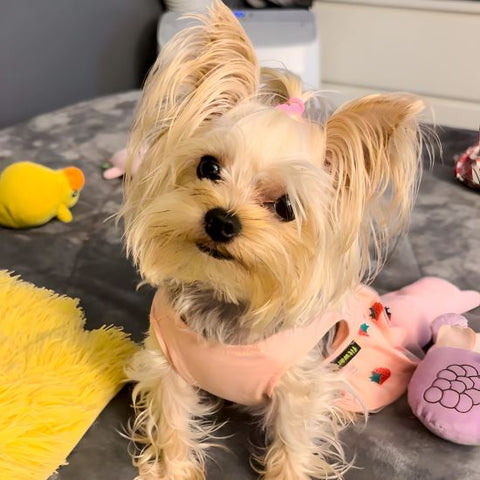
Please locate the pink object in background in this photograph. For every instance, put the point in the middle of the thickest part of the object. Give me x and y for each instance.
(467, 168)
(118, 164)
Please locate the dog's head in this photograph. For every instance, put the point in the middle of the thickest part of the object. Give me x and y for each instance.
(258, 203)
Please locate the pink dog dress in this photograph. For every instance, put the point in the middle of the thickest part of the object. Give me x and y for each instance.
(376, 348)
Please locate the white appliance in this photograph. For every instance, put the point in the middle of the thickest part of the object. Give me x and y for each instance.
(281, 38)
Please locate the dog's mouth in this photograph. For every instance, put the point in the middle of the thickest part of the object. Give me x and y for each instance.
(213, 252)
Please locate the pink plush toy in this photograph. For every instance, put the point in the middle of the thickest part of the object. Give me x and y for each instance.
(444, 391)
(116, 166)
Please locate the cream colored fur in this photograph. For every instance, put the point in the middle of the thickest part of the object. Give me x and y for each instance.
(351, 181)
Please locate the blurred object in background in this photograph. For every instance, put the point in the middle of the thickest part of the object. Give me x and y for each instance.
(183, 6)
(283, 38)
(280, 3)
(467, 167)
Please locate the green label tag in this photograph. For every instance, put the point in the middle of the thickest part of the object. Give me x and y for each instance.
(347, 354)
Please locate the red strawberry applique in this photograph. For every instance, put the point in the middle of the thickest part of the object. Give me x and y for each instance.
(376, 310)
(380, 375)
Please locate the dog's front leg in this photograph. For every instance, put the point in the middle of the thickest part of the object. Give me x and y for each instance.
(168, 426)
(302, 425)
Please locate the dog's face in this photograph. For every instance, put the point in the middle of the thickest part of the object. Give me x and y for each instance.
(260, 206)
(241, 207)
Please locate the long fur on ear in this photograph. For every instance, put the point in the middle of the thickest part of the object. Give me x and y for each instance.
(203, 72)
(373, 148)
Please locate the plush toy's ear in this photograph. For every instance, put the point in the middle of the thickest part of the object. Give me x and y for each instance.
(202, 72)
(373, 148)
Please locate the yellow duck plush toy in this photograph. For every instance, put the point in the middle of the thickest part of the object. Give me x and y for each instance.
(32, 194)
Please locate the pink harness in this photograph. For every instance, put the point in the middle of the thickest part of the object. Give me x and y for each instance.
(374, 347)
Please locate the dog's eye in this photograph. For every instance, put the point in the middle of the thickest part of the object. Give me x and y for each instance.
(208, 168)
(283, 208)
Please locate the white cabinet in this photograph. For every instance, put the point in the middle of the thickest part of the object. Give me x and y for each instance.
(428, 47)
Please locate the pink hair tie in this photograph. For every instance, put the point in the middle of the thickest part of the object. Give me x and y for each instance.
(293, 106)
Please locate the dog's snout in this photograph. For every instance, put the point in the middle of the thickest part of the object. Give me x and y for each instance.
(222, 226)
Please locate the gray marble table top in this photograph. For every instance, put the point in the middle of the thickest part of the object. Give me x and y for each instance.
(85, 259)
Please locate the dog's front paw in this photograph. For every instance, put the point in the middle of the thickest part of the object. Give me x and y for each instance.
(285, 475)
(159, 471)
(285, 471)
(282, 466)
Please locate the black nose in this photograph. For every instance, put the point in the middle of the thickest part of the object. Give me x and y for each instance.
(222, 226)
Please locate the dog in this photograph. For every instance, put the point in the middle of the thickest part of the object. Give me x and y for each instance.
(254, 220)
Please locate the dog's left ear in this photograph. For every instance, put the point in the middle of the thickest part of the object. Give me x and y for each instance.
(204, 71)
(373, 149)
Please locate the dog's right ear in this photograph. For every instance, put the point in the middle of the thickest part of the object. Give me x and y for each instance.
(204, 71)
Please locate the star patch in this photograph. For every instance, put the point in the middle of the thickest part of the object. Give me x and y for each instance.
(363, 330)
(380, 375)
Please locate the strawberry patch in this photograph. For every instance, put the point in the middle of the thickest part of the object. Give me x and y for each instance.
(380, 375)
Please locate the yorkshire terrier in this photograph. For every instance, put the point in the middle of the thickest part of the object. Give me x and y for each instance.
(254, 220)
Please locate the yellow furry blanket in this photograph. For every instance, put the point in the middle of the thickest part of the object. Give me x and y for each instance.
(55, 377)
